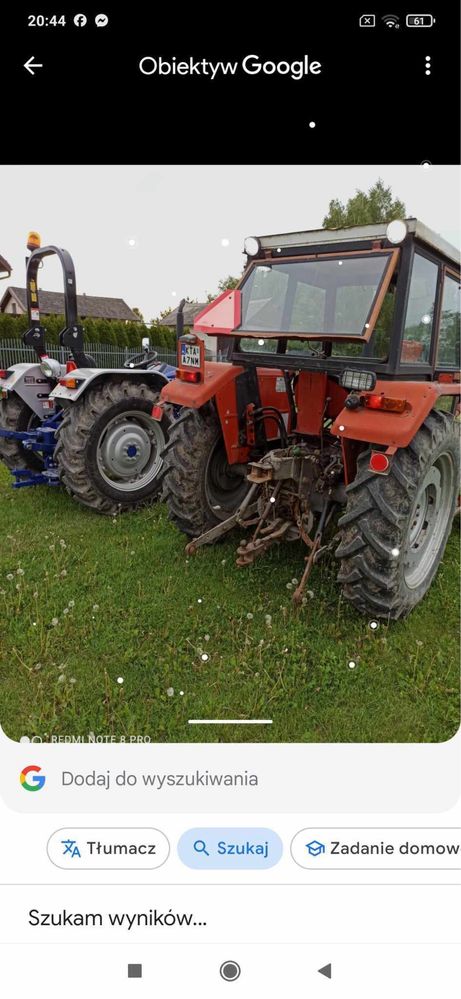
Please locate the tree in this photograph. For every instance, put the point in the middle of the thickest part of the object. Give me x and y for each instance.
(138, 313)
(376, 205)
(225, 284)
(228, 283)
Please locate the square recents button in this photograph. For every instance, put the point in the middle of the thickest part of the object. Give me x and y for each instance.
(135, 971)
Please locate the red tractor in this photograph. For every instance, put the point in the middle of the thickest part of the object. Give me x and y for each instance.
(339, 390)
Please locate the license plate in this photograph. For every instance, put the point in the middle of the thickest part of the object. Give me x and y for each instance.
(190, 355)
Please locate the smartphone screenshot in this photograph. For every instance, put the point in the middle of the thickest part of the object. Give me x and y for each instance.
(230, 385)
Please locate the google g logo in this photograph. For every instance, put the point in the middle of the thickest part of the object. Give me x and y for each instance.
(37, 782)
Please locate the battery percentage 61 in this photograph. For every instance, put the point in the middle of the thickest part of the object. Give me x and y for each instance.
(420, 20)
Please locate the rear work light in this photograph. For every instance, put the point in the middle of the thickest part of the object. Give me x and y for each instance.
(186, 375)
(50, 367)
(384, 402)
(379, 462)
(364, 381)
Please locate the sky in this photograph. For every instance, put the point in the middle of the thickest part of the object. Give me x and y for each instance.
(154, 234)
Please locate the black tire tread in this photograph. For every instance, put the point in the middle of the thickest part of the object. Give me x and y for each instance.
(72, 437)
(376, 519)
(14, 415)
(190, 439)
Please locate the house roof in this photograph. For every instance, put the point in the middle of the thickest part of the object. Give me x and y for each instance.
(5, 267)
(88, 306)
(191, 310)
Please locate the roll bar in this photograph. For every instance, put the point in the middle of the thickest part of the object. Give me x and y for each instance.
(72, 334)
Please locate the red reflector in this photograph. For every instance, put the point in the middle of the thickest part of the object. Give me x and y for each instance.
(70, 366)
(3, 373)
(157, 413)
(379, 462)
(187, 376)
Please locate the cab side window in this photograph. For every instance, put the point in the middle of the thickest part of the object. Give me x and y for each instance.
(448, 348)
(420, 311)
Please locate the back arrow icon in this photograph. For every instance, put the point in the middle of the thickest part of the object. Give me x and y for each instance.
(30, 65)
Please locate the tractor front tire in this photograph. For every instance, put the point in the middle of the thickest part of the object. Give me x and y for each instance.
(109, 448)
(201, 489)
(396, 526)
(16, 415)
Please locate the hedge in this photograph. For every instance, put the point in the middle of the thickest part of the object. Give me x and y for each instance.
(116, 333)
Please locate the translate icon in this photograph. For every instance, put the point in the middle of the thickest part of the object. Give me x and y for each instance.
(367, 21)
(71, 847)
(315, 848)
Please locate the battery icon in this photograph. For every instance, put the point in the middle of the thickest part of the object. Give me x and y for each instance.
(420, 20)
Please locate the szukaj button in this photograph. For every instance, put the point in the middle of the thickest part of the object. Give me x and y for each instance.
(230, 848)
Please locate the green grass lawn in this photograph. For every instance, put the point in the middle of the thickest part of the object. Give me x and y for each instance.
(85, 600)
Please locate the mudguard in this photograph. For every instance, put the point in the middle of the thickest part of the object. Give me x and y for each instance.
(217, 374)
(31, 385)
(86, 378)
(392, 429)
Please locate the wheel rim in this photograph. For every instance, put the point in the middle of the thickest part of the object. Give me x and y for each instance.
(129, 451)
(428, 522)
(224, 489)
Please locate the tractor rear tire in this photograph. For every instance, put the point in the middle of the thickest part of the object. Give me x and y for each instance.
(109, 448)
(200, 489)
(16, 415)
(396, 526)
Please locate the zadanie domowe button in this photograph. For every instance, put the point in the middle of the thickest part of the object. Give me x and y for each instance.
(230, 971)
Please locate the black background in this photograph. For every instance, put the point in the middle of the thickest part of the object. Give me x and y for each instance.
(372, 103)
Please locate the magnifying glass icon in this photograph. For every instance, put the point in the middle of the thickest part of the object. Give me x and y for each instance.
(200, 847)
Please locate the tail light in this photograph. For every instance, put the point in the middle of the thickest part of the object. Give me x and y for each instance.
(4, 373)
(384, 402)
(70, 383)
(186, 375)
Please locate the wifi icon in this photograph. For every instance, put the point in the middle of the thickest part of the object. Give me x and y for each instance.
(391, 20)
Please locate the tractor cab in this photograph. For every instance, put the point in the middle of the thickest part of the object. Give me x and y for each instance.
(343, 344)
(384, 296)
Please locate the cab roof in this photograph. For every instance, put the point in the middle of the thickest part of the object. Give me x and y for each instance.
(357, 233)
